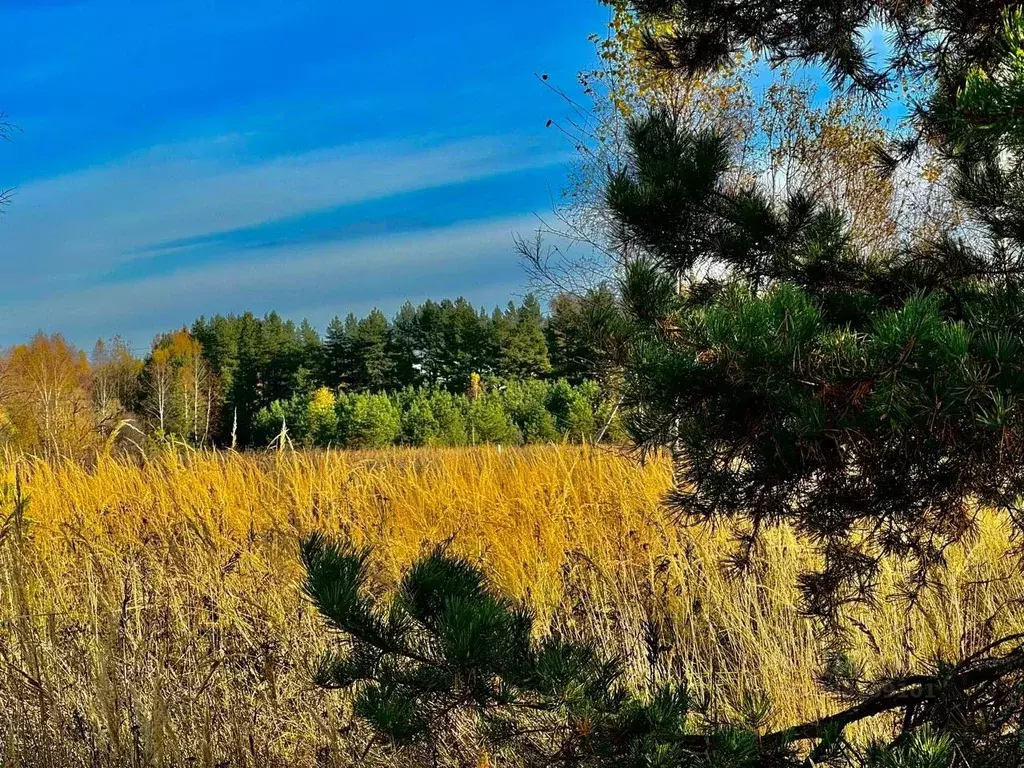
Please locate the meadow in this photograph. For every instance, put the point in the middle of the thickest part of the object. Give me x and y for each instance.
(152, 615)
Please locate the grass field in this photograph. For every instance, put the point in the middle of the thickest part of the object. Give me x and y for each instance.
(151, 615)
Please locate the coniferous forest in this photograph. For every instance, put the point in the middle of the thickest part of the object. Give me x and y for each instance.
(442, 373)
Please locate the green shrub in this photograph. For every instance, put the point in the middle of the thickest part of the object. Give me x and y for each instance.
(291, 413)
(573, 411)
(450, 413)
(488, 422)
(368, 421)
(505, 412)
(419, 425)
(526, 404)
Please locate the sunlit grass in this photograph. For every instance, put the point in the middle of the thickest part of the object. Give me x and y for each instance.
(151, 615)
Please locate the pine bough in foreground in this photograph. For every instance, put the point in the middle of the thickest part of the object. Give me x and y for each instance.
(448, 669)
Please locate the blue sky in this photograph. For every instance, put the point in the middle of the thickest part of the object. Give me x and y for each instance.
(177, 158)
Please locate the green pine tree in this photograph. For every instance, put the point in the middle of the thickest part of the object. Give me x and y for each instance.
(519, 334)
(371, 353)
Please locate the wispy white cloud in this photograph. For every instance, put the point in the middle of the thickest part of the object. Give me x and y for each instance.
(354, 274)
(67, 229)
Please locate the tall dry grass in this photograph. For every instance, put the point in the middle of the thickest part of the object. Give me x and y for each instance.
(151, 615)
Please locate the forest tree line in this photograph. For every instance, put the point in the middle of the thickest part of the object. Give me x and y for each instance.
(446, 373)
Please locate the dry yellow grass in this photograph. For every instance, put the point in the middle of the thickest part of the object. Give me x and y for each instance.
(151, 615)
